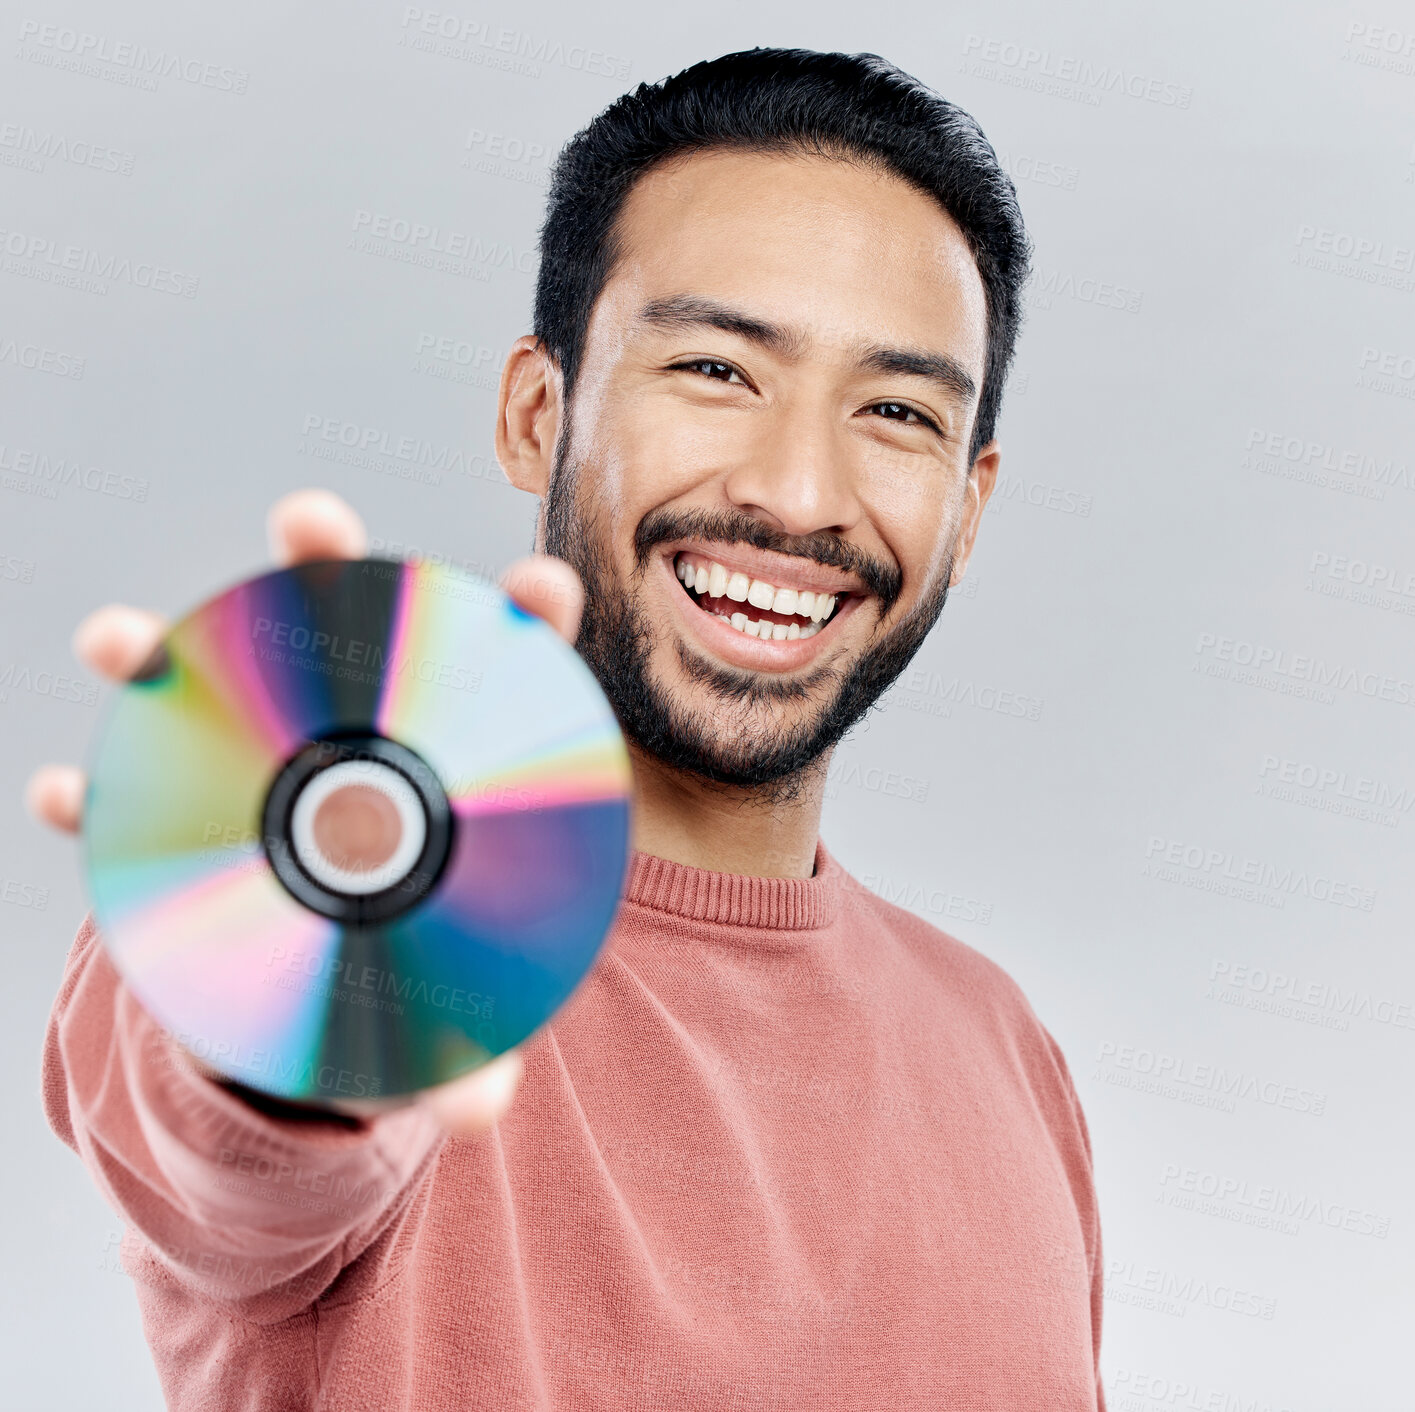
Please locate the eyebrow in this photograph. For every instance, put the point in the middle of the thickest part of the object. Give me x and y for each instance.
(685, 311)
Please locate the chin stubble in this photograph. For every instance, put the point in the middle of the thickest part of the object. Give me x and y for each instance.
(724, 739)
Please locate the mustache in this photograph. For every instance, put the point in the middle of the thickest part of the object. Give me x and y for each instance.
(885, 581)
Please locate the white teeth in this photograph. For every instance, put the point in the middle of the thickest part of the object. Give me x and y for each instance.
(761, 595)
(755, 627)
(718, 581)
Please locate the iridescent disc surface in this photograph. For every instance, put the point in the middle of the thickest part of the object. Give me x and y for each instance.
(278, 996)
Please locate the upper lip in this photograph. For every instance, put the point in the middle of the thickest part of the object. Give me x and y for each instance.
(770, 566)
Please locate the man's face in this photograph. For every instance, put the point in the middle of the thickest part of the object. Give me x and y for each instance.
(765, 483)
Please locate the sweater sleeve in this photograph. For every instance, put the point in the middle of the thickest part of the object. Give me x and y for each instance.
(1084, 1183)
(1093, 1239)
(255, 1212)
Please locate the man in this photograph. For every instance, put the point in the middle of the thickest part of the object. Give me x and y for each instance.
(787, 1146)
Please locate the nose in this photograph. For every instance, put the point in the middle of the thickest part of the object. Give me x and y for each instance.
(797, 474)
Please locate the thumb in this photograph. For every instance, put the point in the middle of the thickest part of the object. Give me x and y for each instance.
(549, 588)
(476, 1100)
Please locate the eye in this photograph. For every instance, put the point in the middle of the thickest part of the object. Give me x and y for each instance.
(901, 412)
(718, 369)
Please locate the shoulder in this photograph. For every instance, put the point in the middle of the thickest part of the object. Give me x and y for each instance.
(953, 971)
(940, 953)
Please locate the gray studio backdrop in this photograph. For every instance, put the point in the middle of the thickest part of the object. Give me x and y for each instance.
(1155, 759)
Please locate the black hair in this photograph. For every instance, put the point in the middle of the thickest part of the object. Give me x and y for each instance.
(856, 106)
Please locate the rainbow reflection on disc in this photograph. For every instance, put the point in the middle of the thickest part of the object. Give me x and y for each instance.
(357, 827)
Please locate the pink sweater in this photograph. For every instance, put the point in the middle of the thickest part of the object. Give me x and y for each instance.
(787, 1147)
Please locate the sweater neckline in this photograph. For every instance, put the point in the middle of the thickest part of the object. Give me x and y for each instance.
(736, 899)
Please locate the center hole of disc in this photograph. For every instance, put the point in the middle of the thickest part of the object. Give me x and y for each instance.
(357, 827)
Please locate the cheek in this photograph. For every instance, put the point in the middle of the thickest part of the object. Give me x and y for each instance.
(906, 485)
(653, 455)
(918, 523)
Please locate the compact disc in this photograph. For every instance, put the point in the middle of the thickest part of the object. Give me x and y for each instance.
(356, 827)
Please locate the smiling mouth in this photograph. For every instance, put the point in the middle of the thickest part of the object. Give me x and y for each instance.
(755, 607)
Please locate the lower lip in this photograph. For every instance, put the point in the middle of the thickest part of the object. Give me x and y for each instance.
(736, 647)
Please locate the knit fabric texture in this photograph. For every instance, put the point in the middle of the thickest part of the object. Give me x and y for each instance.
(787, 1147)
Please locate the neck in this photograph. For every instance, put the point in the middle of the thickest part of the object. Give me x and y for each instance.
(725, 829)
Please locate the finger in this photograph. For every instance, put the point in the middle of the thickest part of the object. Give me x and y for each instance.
(549, 588)
(114, 641)
(314, 524)
(55, 796)
(469, 1104)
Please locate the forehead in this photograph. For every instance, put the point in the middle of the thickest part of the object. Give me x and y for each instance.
(838, 249)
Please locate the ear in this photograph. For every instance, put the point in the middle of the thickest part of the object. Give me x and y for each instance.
(528, 415)
(981, 479)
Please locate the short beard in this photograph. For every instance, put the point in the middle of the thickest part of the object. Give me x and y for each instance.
(717, 744)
